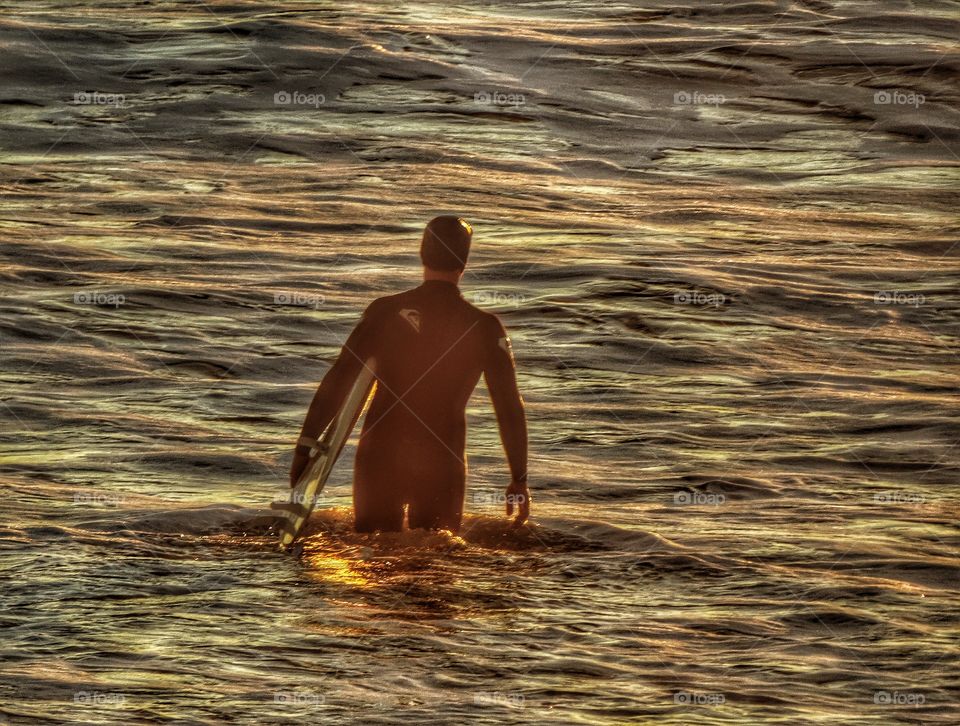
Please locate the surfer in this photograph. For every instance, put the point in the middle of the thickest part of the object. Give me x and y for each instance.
(430, 347)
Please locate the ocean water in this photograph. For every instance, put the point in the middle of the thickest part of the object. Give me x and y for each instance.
(723, 238)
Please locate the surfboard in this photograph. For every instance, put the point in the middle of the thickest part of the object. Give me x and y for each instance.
(324, 455)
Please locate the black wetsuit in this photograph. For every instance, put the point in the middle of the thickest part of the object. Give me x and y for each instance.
(428, 347)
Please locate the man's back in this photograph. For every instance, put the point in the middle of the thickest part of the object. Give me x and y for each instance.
(429, 348)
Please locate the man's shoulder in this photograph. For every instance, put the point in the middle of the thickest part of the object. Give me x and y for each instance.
(387, 303)
(483, 319)
(487, 322)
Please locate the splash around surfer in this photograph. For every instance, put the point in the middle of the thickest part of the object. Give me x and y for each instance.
(430, 347)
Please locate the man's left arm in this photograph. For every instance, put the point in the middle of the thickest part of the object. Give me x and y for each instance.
(501, 376)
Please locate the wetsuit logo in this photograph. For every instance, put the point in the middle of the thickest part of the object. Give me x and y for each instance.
(411, 316)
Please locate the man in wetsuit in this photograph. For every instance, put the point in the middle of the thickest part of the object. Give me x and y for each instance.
(428, 348)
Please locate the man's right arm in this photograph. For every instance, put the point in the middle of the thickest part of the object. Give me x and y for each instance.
(501, 378)
(333, 390)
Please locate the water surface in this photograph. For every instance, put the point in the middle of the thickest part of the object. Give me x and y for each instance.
(727, 261)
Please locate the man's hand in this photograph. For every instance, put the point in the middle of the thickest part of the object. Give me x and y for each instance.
(519, 494)
(300, 461)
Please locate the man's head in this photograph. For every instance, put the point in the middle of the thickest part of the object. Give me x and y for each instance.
(446, 244)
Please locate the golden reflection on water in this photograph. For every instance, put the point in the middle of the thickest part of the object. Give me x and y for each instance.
(365, 561)
(327, 567)
(407, 576)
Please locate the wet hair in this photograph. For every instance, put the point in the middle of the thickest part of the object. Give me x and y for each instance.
(446, 243)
